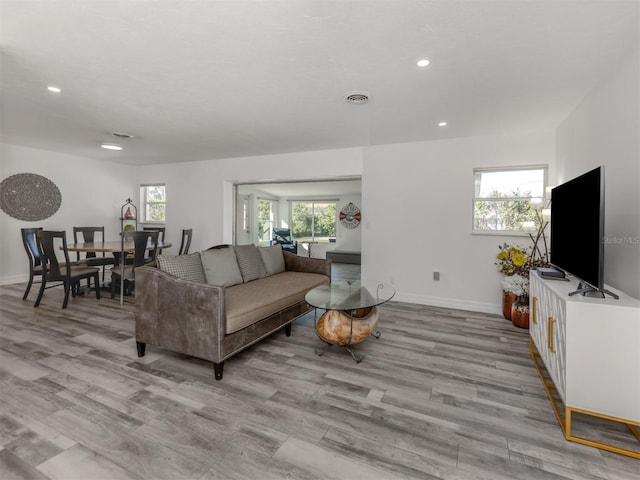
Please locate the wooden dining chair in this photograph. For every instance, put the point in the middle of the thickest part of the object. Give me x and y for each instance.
(30, 243)
(55, 270)
(186, 241)
(124, 274)
(161, 232)
(88, 235)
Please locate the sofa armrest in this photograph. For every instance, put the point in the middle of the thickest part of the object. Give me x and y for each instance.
(179, 315)
(296, 263)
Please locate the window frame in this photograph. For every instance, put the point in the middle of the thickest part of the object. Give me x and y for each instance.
(313, 201)
(511, 168)
(272, 220)
(144, 203)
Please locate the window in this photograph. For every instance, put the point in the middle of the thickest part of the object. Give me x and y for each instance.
(154, 203)
(501, 197)
(266, 217)
(313, 220)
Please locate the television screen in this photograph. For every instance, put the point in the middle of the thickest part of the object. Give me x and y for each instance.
(577, 227)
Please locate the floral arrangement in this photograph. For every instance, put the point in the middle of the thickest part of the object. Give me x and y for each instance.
(517, 284)
(515, 262)
(512, 260)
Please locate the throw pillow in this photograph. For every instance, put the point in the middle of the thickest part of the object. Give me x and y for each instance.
(250, 262)
(272, 258)
(221, 267)
(186, 267)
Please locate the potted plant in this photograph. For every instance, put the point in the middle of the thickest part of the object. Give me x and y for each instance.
(512, 263)
(519, 286)
(515, 263)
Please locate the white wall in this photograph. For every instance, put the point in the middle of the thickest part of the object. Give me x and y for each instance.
(92, 194)
(349, 239)
(417, 208)
(604, 130)
(200, 194)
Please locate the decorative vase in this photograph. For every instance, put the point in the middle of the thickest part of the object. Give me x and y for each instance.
(508, 299)
(520, 312)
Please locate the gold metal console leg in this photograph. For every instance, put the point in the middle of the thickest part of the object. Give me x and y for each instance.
(604, 446)
(566, 422)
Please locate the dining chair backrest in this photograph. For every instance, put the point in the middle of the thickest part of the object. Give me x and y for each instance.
(49, 243)
(186, 241)
(30, 242)
(160, 230)
(88, 236)
(142, 238)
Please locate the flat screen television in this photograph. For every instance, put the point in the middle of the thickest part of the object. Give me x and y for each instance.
(577, 231)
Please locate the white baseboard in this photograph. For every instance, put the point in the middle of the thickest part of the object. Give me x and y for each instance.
(445, 302)
(483, 307)
(14, 279)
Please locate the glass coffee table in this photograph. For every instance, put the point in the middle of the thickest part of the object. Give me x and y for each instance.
(351, 312)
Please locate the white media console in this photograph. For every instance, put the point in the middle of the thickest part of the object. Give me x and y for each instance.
(590, 348)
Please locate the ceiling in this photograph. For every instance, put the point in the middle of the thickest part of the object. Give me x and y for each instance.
(197, 80)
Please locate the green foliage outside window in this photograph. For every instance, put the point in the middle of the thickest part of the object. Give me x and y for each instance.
(502, 197)
(155, 203)
(313, 220)
(503, 211)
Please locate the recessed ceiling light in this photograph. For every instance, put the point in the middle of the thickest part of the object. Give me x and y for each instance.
(53, 89)
(111, 146)
(423, 63)
(442, 124)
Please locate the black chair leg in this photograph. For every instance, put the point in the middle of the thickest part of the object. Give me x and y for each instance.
(41, 292)
(96, 281)
(26, 292)
(140, 347)
(217, 369)
(67, 287)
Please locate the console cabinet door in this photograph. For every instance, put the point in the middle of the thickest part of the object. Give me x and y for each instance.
(548, 331)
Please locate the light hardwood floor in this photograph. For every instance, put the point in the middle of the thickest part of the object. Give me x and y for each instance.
(443, 394)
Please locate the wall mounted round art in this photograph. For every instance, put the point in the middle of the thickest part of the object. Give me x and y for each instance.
(350, 216)
(30, 197)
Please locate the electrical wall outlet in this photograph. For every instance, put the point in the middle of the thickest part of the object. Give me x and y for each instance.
(436, 276)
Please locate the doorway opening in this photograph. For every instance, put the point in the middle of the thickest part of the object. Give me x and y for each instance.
(309, 209)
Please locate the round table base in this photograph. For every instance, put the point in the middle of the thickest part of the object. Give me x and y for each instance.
(338, 327)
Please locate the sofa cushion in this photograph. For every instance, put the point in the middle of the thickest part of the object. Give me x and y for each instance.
(272, 258)
(221, 267)
(247, 303)
(185, 267)
(250, 262)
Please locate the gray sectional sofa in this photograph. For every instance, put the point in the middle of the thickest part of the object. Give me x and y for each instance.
(215, 303)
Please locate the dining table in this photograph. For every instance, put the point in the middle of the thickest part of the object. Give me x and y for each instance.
(113, 246)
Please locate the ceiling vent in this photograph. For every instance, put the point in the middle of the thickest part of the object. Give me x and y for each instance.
(356, 98)
(121, 135)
